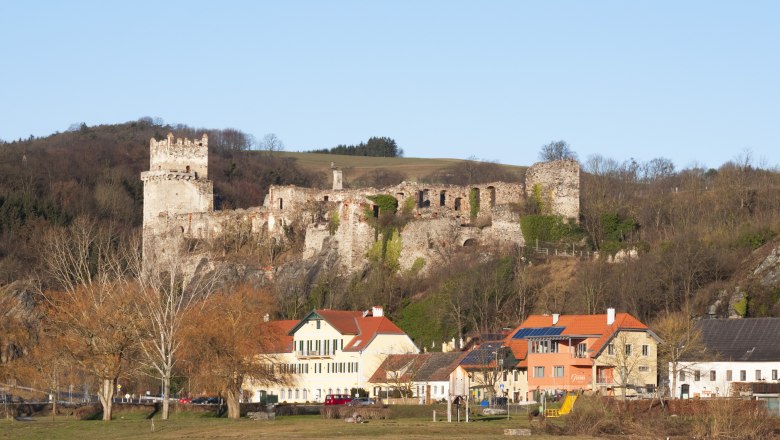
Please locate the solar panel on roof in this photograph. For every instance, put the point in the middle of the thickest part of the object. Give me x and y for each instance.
(524, 333)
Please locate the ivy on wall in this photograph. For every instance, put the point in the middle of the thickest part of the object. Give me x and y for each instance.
(474, 202)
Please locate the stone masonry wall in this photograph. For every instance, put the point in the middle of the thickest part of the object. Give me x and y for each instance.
(559, 182)
(178, 204)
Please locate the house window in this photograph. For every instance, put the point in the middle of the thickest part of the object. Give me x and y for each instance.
(516, 377)
(696, 375)
(712, 376)
(305, 393)
(538, 371)
(610, 349)
(505, 373)
(297, 393)
(758, 374)
(742, 375)
(558, 371)
(774, 374)
(728, 376)
(682, 375)
(581, 349)
(318, 324)
(628, 349)
(644, 368)
(645, 350)
(553, 346)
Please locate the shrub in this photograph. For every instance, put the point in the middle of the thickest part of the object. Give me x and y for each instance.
(333, 222)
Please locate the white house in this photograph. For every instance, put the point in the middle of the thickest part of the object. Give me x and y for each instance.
(425, 377)
(746, 351)
(333, 352)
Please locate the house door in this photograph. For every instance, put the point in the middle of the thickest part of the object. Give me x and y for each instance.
(685, 391)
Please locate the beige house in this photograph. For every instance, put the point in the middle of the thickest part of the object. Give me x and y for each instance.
(334, 352)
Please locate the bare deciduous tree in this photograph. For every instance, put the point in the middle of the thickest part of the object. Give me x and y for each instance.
(93, 306)
(556, 150)
(681, 340)
(165, 298)
(228, 344)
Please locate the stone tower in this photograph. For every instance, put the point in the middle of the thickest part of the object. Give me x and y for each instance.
(177, 183)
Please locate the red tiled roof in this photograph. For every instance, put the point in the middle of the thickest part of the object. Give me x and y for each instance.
(341, 320)
(577, 325)
(364, 327)
(396, 362)
(519, 348)
(368, 328)
(421, 367)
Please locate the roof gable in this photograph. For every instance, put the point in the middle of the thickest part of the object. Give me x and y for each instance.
(341, 320)
(422, 367)
(594, 326)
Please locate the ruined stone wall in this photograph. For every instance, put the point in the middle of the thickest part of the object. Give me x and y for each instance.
(190, 156)
(559, 182)
(178, 205)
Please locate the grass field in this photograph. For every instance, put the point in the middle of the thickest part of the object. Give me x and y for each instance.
(356, 166)
(188, 425)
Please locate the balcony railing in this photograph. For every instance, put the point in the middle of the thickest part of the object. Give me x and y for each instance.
(315, 353)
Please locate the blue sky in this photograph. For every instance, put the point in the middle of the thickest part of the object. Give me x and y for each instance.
(696, 82)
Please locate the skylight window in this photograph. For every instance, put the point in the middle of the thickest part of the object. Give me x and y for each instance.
(357, 343)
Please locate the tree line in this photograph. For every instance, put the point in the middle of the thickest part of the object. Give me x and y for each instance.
(97, 314)
(375, 147)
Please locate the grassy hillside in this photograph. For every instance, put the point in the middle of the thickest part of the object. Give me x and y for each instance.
(356, 167)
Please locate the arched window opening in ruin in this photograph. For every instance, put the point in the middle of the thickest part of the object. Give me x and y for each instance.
(325, 198)
(457, 203)
(375, 209)
(188, 168)
(470, 242)
(442, 198)
(281, 203)
(492, 194)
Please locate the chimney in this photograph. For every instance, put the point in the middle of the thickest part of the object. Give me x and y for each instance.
(377, 312)
(555, 318)
(610, 316)
(266, 317)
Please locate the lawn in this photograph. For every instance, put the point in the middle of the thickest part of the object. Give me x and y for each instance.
(187, 425)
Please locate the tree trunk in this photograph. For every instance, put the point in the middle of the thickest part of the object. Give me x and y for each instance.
(106, 396)
(233, 403)
(165, 392)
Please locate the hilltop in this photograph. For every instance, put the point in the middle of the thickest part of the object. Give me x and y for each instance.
(356, 168)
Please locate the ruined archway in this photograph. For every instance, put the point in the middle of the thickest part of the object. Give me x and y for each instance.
(492, 195)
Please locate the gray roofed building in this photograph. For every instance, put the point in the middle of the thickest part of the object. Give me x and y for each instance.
(751, 339)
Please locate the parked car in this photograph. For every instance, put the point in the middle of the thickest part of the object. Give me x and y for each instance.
(213, 401)
(337, 399)
(185, 400)
(360, 401)
(199, 400)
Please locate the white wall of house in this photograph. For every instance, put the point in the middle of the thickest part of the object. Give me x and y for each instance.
(711, 379)
(323, 367)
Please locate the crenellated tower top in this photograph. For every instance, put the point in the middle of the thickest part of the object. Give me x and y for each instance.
(180, 155)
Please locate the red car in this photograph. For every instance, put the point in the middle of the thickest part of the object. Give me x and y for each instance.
(185, 400)
(337, 399)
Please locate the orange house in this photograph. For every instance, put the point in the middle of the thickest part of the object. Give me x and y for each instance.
(585, 352)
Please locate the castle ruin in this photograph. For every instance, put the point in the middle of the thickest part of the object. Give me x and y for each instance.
(179, 207)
